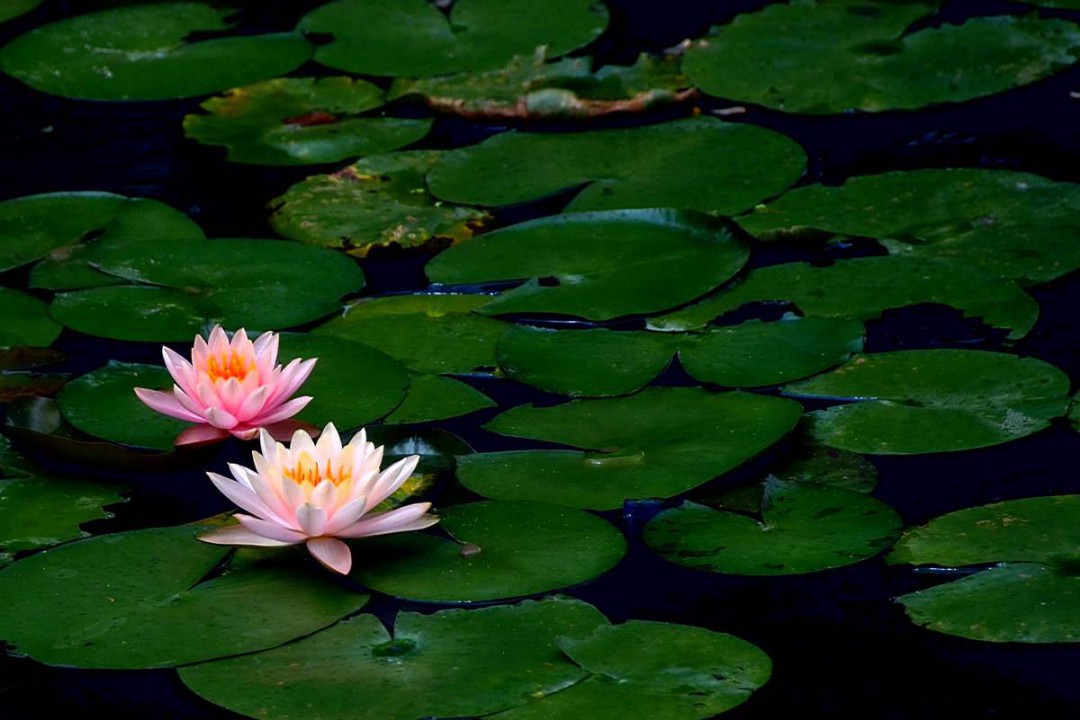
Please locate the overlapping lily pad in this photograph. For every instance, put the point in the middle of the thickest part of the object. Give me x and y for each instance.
(915, 204)
(1032, 596)
(598, 265)
(18, 376)
(14, 8)
(24, 320)
(144, 53)
(147, 599)
(923, 401)
(696, 164)
(863, 288)
(54, 226)
(378, 201)
(426, 333)
(501, 550)
(453, 663)
(301, 121)
(433, 397)
(803, 528)
(180, 288)
(658, 443)
(652, 671)
(602, 362)
(414, 38)
(870, 59)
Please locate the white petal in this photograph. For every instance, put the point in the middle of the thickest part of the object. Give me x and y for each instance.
(332, 553)
(402, 519)
(242, 496)
(312, 520)
(392, 478)
(239, 535)
(346, 515)
(270, 529)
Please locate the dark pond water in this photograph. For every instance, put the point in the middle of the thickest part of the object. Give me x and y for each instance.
(840, 648)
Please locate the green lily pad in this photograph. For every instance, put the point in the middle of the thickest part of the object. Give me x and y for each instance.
(919, 203)
(803, 529)
(14, 8)
(600, 363)
(142, 599)
(697, 164)
(426, 333)
(24, 320)
(599, 265)
(414, 38)
(301, 121)
(501, 550)
(923, 401)
(52, 228)
(658, 443)
(380, 201)
(39, 509)
(653, 671)
(863, 288)
(432, 397)
(352, 384)
(184, 287)
(531, 88)
(141, 53)
(869, 59)
(453, 663)
(1033, 596)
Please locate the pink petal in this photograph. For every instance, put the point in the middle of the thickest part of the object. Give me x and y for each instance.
(292, 377)
(180, 369)
(200, 435)
(270, 529)
(239, 535)
(244, 432)
(332, 553)
(199, 351)
(312, 520)
(266, 345)
(189, 402)
(221, 419)
(219, 341)
(167, 404)
(403, 519)
(232, 397)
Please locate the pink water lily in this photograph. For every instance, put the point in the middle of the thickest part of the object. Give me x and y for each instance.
(317, 493)
(231, 388)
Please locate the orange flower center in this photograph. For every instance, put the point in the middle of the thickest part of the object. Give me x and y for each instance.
(227, 366)
(307, 471)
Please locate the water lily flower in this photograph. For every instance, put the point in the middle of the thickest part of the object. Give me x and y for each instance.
(231, 388)
(317, 493)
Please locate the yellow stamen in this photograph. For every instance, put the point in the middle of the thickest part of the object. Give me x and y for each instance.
(307, 471)
(230, 365)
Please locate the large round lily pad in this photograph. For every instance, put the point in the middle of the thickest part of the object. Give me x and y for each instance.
(24, 320)
(301, 121)
(658, 443)
(378, 201)
(183, 287)
(453, 663)
(414, 38)
(143, 53)
(854, 54)
(426, 333)
(1033, 596)
(52, 227)
(863, 288)
(142, 599)
(697, 164)
(802, 529)
(923, 401)
(502, 550)
(652, 671)
(598, 265)
(919, 203)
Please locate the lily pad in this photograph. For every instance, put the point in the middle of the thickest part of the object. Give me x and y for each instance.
(180, 288)
(919, 203)
(51, 227)
(414, 38)
(144, 599)
(14, 8)
(923, 401)
(501, 550)
(802, 529)
(863, 288)
(379, 201)
(696, 164)
(426, 333)
(143, 53)
(600, 363)
(653, 671)
(301, 121)
(1033, 596)
(24, 320)
(658, 443)
(599, 265)
(869, 58)
(432, 397)
(453, 663)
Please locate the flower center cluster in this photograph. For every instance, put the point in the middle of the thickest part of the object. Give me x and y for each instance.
(307, 471)
(226, 366)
